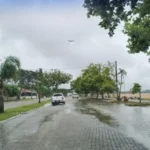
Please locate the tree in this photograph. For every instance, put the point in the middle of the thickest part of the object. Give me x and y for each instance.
(96, 78)
(38, 85)
(8, 70)
(137, 89)
(108, 87)
(76, 85)
(122, 73)
(47, 82)
(55, 78)
(25, 79)
(12, 90)
(135, 13)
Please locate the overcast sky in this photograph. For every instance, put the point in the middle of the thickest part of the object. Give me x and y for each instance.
(37, 31)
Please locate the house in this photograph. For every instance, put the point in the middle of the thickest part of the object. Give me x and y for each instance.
(25, 93)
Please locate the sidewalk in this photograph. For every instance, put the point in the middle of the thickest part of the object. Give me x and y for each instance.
(22, 103)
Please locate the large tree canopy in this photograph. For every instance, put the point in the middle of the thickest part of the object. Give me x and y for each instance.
(55, 78)
(96, 78)
(135, 14)
(26, 78)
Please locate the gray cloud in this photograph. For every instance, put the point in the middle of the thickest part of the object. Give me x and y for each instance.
(40, 38)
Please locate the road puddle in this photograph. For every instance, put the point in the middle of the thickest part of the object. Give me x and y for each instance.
(103, 117)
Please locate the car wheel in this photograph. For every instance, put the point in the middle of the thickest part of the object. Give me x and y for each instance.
(53, 104)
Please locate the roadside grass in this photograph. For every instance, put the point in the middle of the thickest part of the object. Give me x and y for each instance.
(14, 100)
(19, 110)
(137, 104)
(131, 103)
(28, 99)
(146, 99)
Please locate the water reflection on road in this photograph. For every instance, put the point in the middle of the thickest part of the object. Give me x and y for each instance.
(133, 121)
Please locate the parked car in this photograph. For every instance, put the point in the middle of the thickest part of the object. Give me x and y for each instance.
(75, 95)
(58, 98)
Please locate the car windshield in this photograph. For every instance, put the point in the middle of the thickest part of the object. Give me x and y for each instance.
(58, 94)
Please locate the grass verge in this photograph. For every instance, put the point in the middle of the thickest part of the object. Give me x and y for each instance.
(137, 104)
(28, 99)
(19, 110)
(14, 100)
(145, 98)
(130, 103)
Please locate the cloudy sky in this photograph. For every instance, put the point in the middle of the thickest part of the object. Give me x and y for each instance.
(37, 31)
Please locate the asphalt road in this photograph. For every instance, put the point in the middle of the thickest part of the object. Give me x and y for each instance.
(14, 104)
(62, 127)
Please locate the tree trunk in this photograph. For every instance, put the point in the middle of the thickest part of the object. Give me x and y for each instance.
(140, 97)
(18, 97)
(31, 95)
(120, 89)
(1, 97)
(91, 94)
(39, 96)
(97, 94)
(108, 95)
(102, 94)
(85, 94)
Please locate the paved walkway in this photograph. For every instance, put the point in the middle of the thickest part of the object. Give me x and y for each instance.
(14, 104)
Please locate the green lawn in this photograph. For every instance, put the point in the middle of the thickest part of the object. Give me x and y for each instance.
(145, 98)
(19, 110)
(131, 103)
(14, 100)
(137, 104)
(28, 99)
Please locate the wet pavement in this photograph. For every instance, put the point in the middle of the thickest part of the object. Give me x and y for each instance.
(63, 127)
(14, 104)
(132, 121)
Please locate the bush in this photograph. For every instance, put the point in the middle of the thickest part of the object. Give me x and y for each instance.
(12, 90)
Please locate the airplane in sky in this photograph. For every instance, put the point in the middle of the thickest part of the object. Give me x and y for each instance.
(70, 41)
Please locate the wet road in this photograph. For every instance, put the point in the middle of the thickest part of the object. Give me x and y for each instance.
(133, 121)
(62, 127)
(14, 104)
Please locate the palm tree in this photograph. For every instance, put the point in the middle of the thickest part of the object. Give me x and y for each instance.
(122, 73)
(8, 70)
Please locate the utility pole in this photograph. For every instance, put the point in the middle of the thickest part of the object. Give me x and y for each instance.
(116, 75)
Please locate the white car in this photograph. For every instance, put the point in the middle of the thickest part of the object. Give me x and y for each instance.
(75, 95)
(58, 98)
